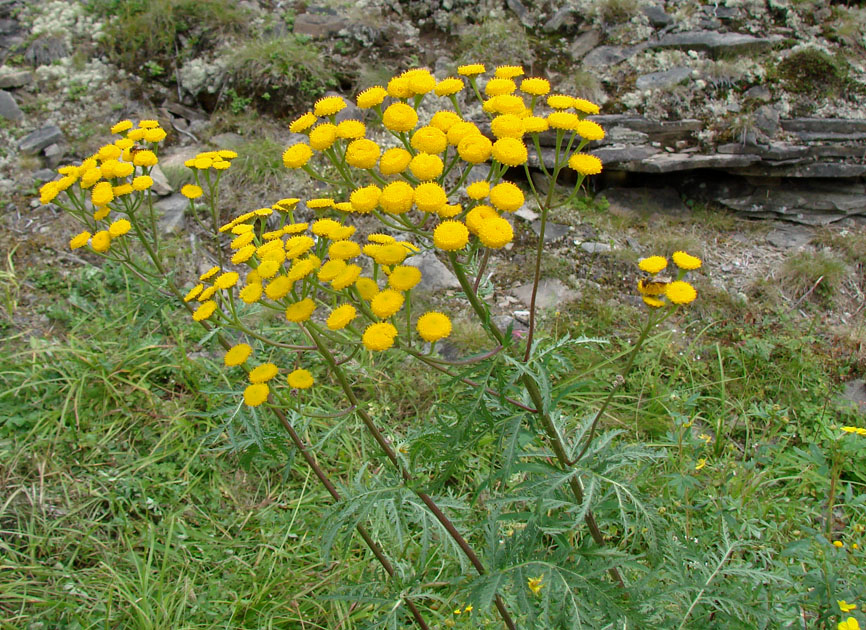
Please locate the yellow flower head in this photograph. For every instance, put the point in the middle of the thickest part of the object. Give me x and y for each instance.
(397, 197)
(507, 126)
(300, 311)
(849, 624)
(394, 161)
(535, 584)
(400, 117)
(302, 123)
(256, 394)
(420, 80)
(145, 158)
(317, 204)
(449, 86)
(329, 106)
(226, 280)
(142, 182)
(386, 303)
(204, 311)
(478, 190)
(680, 292)
(325, 227)
(119, 228)
(297, 155)
(497, 87)
(450, 236)
(300, 379)
(371, 97)
(510, 151)
(471, 70)
(404, 278)
(367, 288)
(120, 127)
(508, 72)
(495, 232)
(430, 197)
(585, 106)
(563, 120)
(506, 104)
(79, 241)
(585, 164)
(475, 148)
(429, 140)
(686, 261)
(277, 289)
(251, 293)
(341, 317)
(344, 250)
(590, 130)
(156, 134)
(460, 130)
(351, 129)
(323, 136)
(433, 326)
(506, 197)
(535, 86)
(379, 336)
(559, 101)
(701, 463)
(346, 278)
(102, 194)
(445, 119)
(363, 153)
(653, 264)
(845, 606)
(426, 167)
(365, 200)
(398, 87)
(237, 354)
(48, 192)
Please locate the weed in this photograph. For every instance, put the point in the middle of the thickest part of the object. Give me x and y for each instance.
(498, 40)
(617, 11)
(289, 69)
(816, 273)
(814, 72)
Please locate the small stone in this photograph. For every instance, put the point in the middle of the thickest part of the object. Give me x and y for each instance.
(551, 292)
(855, 392)
(767, 119)
(758, 93)
(562, 17)
(9, 108)
(610, 55)
(435, 276)
(552, 231)
(36, 141)
(584, 43)
(657, 16)
(54, 154)
(46, 50)
(596, 248)
(172, 210)
(44, 175)
(16, 79)
(160, 186)
(322, 23)
(522, 12)
(790, 236)
(663, 80)
(527, 214)
(712, 41)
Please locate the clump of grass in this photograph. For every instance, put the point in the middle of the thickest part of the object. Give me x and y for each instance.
(150, 34)
(816, 272)
(617, 11)
(281, 73)
(497, 41)
(851, 245)
(814, 72)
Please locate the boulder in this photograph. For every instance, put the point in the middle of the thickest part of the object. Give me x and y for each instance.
(9, 108)
(663, 80)
(45, 50)
(435, 275)
(171, 210)
(551, 292)
(657, 16)
(36, 141)
(713, 42)
(319, 23)
(583, 43)
(16, 79)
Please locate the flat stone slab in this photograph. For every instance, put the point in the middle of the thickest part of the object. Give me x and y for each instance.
(827, 170)
(790, 236)
(552, 231)
(435, 275)
(610, 55)
(624, 154)
(855, 392)
(592, 247)
(663, 80)
(712, 41)
(551, 292)
(831, 125)
(671, 162)
(9, 108)
(810, 203)
(36, 141)
(16, 79)
(319, 24)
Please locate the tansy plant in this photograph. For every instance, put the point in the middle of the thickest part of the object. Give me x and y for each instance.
(302, 304)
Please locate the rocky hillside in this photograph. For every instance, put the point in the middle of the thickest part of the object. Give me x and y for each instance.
(754, 104)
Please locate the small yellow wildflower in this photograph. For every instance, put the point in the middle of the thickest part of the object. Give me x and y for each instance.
(191, 191)
(495, 233)
(535, 584)
(427, 167)
(371, 97)
(79, 241)
(685, 261)
(379, 336)
(394, 161)
(256, 394)
(386, 303)
(341, 317)
(204, 311)
(119, 228)
(849, 624)
(323, 136)
(448, 86)
(351, 129)
(297, 155)
(590, 130)
(475, 148)
(510, 151)
(680, 292)
(101, 241)
(450, 236)
(845, 606)
(838, 544)
(433, 326)
(300, 311)
(400, 117)
(404, 278)
(237, 354)
(585, 164)
(506, 197)
(329, 105)
(430, 197)
(653, 264)
(472, 69)
(429, 140)
(300, 379)
(362, 153)
(701, 463)
(302, 123)
(535, 86)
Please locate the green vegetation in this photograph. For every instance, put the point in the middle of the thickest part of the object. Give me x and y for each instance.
(617, 11)
(151, 34)
(812, 71)
(818, 273)
(281, 73)
(498, 41)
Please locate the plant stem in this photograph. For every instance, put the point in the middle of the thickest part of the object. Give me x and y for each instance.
(391, 454)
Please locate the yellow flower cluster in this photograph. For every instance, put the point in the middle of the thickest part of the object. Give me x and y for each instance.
(657, 292)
